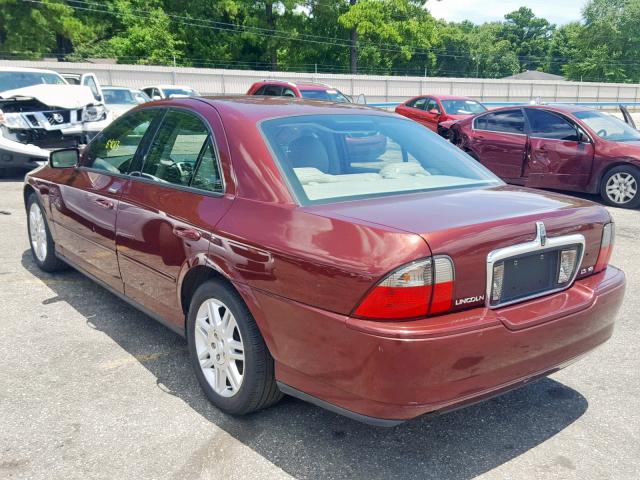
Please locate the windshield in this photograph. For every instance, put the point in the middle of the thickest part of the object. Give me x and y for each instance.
(327, 95)
(608, 127)
(118, 96)
(462, 107)
(179, 92)
(336, 157)
(13, 80)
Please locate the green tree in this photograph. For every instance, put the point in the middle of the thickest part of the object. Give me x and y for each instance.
(392, 34)
(529, 36)
(609, 44)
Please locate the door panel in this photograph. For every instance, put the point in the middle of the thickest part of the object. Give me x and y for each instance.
(156, 242)
(559, 155)
(502, 153)
(559, 164)
(86, 208)
(500, 142)
(85, 216)
(166, 216)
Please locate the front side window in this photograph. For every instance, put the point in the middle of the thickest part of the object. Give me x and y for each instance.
(432, 105)
(176, 149)
(113, 150)
(419, 103)
(329, 158)
(544, 124)
(608, 127)
(508, 121)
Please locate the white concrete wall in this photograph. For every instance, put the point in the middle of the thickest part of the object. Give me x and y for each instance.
(377, 88)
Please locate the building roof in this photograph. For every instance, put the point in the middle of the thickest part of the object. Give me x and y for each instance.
(535, 75)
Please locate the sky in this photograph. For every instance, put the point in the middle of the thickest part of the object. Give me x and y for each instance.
(479, 11)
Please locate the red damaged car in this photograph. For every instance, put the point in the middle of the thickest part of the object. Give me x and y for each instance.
(433, 111)
(562, 147)
(381, 288)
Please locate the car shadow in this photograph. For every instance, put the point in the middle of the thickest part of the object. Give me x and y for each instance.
(308, 442)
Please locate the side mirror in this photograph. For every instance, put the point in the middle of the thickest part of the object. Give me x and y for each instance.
(434, 111)
(68, 157)
(156, 97)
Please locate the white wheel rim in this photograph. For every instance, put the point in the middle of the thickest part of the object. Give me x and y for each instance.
(37, 232)
(219, 347)
(621, 188)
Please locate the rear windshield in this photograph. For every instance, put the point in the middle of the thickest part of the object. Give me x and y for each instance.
(13, 80)
(329, 158)
(327, 95)
(462, 107)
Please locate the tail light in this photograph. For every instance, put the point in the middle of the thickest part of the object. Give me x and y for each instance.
(418, 289)
(606, 247)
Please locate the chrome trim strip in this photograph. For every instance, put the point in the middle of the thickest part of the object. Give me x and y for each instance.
(540, 243)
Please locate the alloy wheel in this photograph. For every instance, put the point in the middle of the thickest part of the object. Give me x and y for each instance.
(37, 232)
(219, 347)
(621, 188)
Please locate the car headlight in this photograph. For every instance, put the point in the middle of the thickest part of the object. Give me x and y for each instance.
(93, 113)
(13, 120)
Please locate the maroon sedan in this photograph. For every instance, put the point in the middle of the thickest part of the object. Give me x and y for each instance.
(381, 288)
(434, 110)
(563, 147)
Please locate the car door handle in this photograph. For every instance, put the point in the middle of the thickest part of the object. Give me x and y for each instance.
(104, 203)
(186, 232)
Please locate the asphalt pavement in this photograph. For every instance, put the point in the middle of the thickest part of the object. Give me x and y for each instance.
(90, 388)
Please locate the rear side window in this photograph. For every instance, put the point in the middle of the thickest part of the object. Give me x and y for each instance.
(176, 149)
(545, 124)
(272, 91)
(115, 147)
(207, 174)
(508, 121)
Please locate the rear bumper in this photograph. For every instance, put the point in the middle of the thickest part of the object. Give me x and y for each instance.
(399, 370)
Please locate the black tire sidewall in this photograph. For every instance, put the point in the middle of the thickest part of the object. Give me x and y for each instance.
(51, 262)
(252, 380)
(635, 202)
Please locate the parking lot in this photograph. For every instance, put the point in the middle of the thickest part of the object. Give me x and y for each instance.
(91, 388)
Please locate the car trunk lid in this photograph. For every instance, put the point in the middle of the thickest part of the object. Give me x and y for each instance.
(468, 224)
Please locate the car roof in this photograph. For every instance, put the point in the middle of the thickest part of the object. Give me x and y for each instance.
(25, 69)
(299, 85)
(255, 108)
(556, 107)
(450, 97)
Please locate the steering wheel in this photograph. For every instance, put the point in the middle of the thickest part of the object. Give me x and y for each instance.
(602, 133)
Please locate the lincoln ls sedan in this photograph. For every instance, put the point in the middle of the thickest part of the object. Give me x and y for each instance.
(381, 284)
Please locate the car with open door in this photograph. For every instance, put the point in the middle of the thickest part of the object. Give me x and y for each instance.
(380, 288)
(561, 147)
(436, 112)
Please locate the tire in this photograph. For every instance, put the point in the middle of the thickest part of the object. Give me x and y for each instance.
(43, 248)
(620, 187)
(248, 384)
